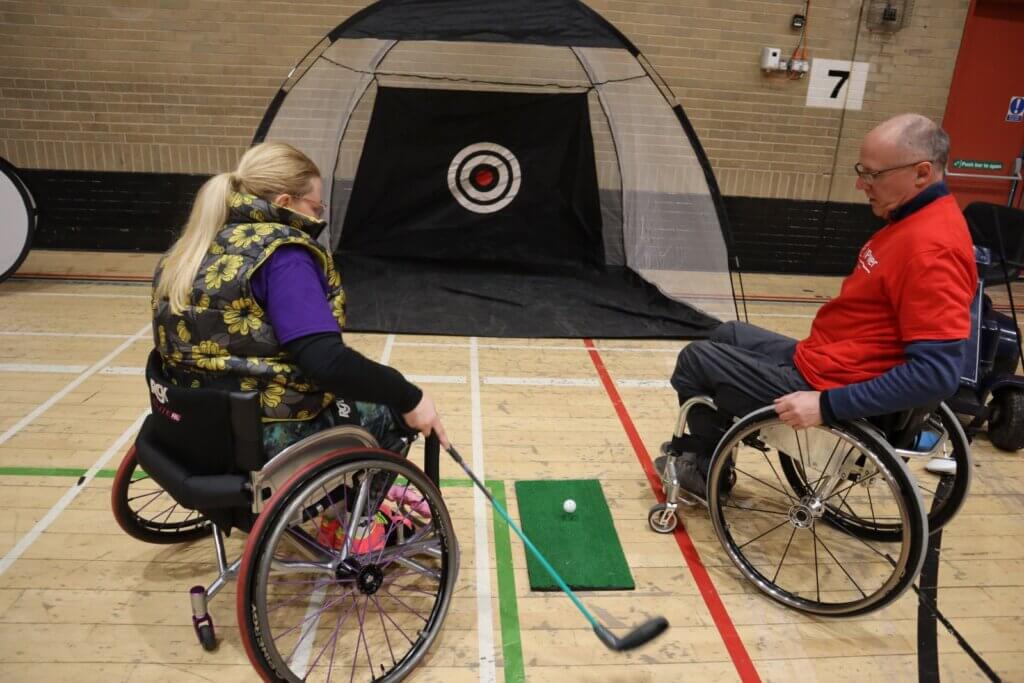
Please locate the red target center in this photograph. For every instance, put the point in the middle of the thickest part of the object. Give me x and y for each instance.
(483, 177)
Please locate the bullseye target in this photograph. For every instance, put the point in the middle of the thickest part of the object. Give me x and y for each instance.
(17, 220)
(484, 177)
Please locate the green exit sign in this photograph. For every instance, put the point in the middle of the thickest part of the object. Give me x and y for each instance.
(975, 165)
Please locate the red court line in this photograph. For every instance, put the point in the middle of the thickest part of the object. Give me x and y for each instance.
(735, 647)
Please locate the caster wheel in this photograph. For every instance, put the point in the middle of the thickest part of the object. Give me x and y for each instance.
(662, 519)
(206, 637)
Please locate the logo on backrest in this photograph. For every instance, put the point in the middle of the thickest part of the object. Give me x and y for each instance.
(158, 390)
(344, 409)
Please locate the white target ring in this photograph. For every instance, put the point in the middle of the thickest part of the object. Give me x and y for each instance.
(484, 177)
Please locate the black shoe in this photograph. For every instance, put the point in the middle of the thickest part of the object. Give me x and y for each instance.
(689, 476)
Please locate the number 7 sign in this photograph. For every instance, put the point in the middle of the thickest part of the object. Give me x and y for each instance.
(837, 84)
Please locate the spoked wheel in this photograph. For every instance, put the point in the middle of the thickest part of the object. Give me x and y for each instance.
(776, 536)
(941, 495)
(148, 513)
(348, 572)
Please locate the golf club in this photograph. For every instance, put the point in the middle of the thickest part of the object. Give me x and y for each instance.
(640, 635)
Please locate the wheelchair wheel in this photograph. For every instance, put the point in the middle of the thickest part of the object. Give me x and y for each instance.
(148, 513)
(941, 495)
(776, 537)
(1006, 425)
(317, 602)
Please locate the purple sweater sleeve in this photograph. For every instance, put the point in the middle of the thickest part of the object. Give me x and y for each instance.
(292, 289)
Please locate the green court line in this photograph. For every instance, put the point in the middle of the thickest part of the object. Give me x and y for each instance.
(508, 606)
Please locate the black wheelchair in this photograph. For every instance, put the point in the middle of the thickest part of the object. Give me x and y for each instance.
(351, 557)
(991, 392)
(833, 521)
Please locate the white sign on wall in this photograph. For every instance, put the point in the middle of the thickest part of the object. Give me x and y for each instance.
(837, 84)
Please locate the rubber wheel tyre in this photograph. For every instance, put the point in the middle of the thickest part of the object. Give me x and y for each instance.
(148, 513)
(661, 521)
(1006, 426)
(758, 521)
(332, 602)
(206, 637)
(943, 502)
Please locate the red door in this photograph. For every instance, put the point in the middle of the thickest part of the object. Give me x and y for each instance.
(988, 88)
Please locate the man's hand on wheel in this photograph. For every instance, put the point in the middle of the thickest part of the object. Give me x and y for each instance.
(800, 410)
(424, 418)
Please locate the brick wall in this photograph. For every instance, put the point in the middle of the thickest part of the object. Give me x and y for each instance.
(179, 86)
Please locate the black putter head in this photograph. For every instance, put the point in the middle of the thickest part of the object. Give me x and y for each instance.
(642, 634)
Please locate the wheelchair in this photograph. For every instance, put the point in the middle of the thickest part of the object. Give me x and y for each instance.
(350, 559)
(832, 521)
(991, 394)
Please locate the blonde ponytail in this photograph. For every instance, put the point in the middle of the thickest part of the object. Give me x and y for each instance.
(265, 170)
(209, 213)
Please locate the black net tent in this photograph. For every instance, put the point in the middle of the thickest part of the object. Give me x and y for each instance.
(506, 168)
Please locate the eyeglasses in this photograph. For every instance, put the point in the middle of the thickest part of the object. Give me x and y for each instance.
(869, 176)
(318, 207)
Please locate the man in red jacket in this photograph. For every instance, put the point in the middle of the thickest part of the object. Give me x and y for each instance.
(893, 339)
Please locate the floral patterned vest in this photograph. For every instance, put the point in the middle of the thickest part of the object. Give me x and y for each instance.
(224, 339)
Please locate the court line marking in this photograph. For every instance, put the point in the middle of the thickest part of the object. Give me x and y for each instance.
(540, 347)
(485, 617)
(36, 531)
(83, 335)
(508, 605)
(726, 629)
(73, 384)
(83, 295)
(542, 381)
(423, 379)
(437, 379)
(45, 368)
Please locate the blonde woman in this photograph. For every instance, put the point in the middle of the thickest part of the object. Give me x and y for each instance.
(246, 299)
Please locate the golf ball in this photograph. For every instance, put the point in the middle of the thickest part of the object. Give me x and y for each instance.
(569, 505)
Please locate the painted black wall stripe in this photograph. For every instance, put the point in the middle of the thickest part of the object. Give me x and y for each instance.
(143, 212)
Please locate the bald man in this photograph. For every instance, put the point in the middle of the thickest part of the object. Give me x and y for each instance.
(892, 340)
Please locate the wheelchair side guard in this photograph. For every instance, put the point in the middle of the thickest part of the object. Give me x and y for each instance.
(282, 466)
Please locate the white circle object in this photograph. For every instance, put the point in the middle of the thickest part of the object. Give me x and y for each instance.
(569, 505)
(17, 220)
(498, 164)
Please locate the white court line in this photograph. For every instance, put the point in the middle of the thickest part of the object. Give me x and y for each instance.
(780, 315)
(485, 616)
(542, 381)
(83, 295)
(122, 370)
(385, 355)
(73, 384)
(534, 347)
(36, 531)
(37, 367)
(83, 335)
(437, 379)
(643, 383)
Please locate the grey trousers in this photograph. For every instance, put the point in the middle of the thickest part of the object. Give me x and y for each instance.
(753, 365)
(742, 367)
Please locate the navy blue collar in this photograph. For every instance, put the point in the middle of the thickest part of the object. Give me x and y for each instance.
(921, 200)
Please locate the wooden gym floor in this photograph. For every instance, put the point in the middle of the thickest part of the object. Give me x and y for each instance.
(80, 600)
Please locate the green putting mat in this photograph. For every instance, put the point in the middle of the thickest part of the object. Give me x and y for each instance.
(582, 546)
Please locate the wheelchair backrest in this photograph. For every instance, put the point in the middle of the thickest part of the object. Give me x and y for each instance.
(1000, 229)
(206, 431)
